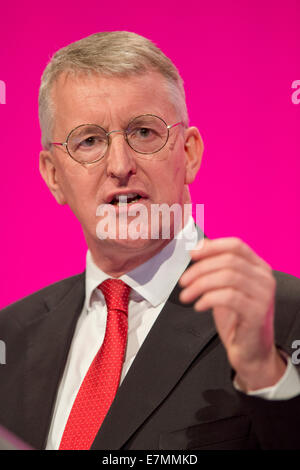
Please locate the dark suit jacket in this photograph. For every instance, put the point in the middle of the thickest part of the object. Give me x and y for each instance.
(178, 393)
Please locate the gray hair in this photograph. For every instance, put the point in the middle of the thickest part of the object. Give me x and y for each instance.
(115, 53)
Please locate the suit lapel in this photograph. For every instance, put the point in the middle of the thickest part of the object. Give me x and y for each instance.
(177, 337)
(49, 338)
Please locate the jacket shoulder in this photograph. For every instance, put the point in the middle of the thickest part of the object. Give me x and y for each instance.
(287, 308)
(288, 287)
(27, 308)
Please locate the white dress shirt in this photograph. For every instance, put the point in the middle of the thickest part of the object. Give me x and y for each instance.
(151, 283)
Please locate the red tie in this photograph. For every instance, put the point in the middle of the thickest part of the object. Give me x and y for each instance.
(101, 382)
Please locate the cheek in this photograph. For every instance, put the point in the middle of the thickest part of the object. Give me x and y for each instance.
(176, 172)
(171, 182)
(80, 191)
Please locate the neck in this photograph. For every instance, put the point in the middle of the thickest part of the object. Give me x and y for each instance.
(118, 261)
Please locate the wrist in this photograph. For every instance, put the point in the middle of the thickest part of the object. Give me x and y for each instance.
(262, 374)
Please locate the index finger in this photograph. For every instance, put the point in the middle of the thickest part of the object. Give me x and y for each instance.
(234, 245)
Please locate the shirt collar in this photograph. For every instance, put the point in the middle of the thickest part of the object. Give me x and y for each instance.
(155, 279)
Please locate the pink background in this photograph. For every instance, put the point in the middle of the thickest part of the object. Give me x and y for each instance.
(238, 60)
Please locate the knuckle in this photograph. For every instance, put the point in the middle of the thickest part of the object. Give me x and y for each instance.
(269, 279)
(236, 242)
(241, 248)
(263, 274)
(230, 296)
(231, 277)
(232, 259)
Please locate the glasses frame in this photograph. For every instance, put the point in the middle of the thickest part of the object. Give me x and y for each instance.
(124, 132)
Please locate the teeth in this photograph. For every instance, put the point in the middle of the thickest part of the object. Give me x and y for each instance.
(123, 197)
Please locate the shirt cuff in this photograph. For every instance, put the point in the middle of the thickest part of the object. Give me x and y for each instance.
(287, 387)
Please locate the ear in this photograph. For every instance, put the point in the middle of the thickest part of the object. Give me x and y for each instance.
(48, 170)
(193, 148)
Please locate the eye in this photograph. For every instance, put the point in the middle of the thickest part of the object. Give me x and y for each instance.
(89, 142)
(142, 133)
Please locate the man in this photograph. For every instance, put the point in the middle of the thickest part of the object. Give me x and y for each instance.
(153, 347)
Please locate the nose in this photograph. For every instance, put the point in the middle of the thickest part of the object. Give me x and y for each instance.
(121, 162)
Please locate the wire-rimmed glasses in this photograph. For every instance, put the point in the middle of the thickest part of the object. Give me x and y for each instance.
(146, 134)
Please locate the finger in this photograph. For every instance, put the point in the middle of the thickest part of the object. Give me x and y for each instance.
(229, 298)
(225, 261)
(229, 244)
(216, 263)
(255, 283)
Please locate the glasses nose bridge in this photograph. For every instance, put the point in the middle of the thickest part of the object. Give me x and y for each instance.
(117, 131)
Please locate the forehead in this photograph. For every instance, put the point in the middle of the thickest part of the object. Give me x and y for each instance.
(110, 100)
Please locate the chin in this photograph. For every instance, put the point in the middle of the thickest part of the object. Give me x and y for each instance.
(138, 245)
(132, 236)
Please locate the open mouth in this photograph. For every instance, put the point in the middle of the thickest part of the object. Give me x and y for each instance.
(125, 199)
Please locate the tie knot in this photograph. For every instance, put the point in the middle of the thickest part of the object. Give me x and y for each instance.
(116, 294)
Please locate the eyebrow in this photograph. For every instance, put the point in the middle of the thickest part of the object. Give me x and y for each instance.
(87, 128)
